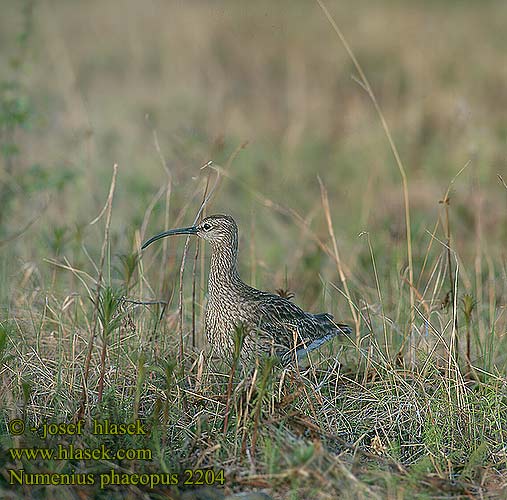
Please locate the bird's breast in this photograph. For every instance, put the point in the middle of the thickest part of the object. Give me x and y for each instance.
(223, 314)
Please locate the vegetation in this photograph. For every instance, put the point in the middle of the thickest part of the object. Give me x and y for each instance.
(107, 116)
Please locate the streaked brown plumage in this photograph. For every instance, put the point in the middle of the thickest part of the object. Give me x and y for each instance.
(272, 324)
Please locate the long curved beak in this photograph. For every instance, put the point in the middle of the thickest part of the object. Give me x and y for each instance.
(170, 232)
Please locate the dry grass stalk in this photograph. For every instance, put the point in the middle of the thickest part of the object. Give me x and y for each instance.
(343, 277)
(194, 302)
(366, 86)
(107, 210)
(452, 284)
(239, 337)
(194, 268)
(204, 202)
(167, 189)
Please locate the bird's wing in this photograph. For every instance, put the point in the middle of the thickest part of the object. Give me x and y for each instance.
(294, 329)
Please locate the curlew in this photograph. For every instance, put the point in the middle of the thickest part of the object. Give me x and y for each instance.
(271, 324)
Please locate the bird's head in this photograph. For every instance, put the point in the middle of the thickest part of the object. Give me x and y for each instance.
(220, 230)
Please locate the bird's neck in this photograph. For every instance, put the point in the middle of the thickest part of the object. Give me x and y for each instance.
(223, 269)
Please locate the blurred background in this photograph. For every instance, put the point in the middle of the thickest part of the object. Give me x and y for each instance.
(85, 85)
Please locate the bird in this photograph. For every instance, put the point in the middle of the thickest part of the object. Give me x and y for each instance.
(271, 324)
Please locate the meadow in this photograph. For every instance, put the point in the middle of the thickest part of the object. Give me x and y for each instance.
(365, 163)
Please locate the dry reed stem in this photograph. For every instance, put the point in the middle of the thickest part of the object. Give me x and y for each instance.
(343, 278)
(453, 285)
(221, 172)
(194, 271)
(107, 209)
(102, 366)
(204, 202)
(194, 267)
(228, 396)
(427, 254)
(478, 258)
(366, 86)
(379, 292)
(290, 212)
(452, 363)
(168, 189)
(177, 220)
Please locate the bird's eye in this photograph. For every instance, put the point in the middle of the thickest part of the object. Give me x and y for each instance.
(206, 226)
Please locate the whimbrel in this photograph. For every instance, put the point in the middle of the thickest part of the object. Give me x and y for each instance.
(272, 324)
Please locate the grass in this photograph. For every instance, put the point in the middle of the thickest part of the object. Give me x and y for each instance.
(413, 405)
